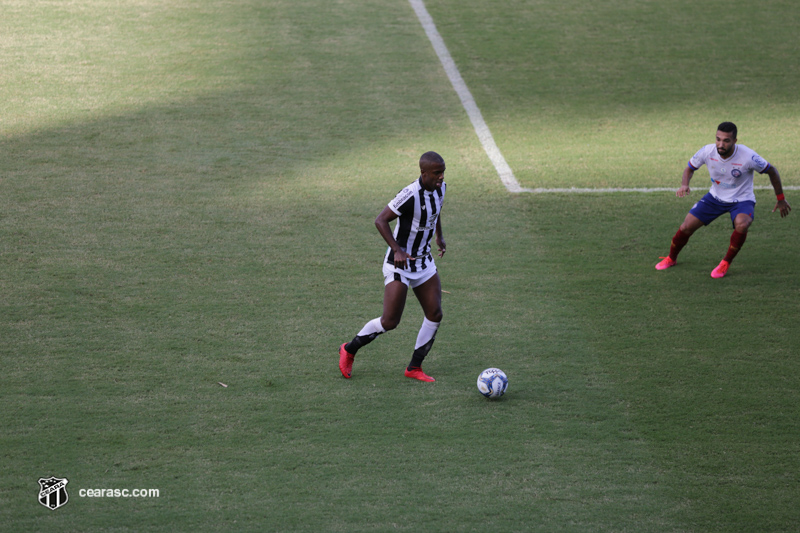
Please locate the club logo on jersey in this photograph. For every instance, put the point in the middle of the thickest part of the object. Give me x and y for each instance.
(53, 492)
(431, 223)
(736, 173)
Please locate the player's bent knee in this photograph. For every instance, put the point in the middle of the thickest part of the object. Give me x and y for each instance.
(390, 323)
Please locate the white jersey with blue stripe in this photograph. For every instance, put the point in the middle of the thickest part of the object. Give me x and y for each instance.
(732, 178)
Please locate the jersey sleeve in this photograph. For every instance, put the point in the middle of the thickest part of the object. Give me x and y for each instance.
(699, 159)
(758, 163)
(402, 202)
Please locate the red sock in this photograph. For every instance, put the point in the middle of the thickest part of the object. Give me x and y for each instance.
(737, 240)
(678, 242)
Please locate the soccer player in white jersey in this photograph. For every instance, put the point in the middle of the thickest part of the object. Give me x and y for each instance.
(731, 168)
(409, 263)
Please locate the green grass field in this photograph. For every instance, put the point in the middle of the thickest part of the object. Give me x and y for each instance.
(187, 196)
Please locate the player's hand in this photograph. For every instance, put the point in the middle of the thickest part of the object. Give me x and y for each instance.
(401, 259)
(782, 206)
(683, 191)
(442, 246)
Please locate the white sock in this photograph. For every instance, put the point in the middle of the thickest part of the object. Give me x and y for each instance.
(373, 327)
(426, 333)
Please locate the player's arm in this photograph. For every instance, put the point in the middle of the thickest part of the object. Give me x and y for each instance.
(684, 189)
(775, 178)
(440, 237)
(382, 223)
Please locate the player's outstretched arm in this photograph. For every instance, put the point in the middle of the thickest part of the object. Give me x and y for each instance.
(782, 205)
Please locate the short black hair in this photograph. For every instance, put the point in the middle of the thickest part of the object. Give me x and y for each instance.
(728, 127)
(431, 157)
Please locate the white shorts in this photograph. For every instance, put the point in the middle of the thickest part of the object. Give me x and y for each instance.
(409, 279)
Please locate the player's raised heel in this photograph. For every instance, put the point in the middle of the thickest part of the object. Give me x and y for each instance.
(417, 373)
(665, 263)
(721, 270)
(345, 361)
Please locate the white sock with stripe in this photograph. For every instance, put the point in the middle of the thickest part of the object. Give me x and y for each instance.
(426, 332)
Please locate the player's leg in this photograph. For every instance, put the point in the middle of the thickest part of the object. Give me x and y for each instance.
(741, 223)
(690, 224)
(394, 301)
(742, 219)
(429, 295)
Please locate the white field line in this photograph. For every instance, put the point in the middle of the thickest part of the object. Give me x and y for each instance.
(482, 130)
(484, 135)
(575, 190)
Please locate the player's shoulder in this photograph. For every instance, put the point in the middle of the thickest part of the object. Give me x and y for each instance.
(706, 151)
(404, 195)
(745, 150)
(411, 188)
(747, 154)
(702, 156)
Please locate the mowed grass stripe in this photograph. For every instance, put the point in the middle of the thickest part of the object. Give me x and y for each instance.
(178, 246)
(621, 95)
(222, 231)
(705, 369)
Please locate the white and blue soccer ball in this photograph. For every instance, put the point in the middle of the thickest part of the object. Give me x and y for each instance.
(492, 382)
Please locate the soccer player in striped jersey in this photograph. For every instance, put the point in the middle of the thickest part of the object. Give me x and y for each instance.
(408, 262)
(731, 168)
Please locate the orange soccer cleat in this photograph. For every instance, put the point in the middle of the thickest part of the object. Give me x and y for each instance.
(417, 373)
(665, 263)
(721, 270)
(345, 361)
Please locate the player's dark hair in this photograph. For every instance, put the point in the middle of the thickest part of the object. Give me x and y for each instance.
(431, 157)
(728, 127)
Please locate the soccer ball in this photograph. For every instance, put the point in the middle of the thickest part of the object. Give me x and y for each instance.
(492, 382)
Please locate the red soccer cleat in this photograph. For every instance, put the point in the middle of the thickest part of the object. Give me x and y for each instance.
(345, 361)
(417, 373)
(721, 270)
(665, 263)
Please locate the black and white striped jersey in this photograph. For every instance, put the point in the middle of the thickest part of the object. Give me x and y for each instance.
(418, 212)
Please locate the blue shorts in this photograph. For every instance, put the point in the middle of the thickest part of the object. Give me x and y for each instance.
(708, 209)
